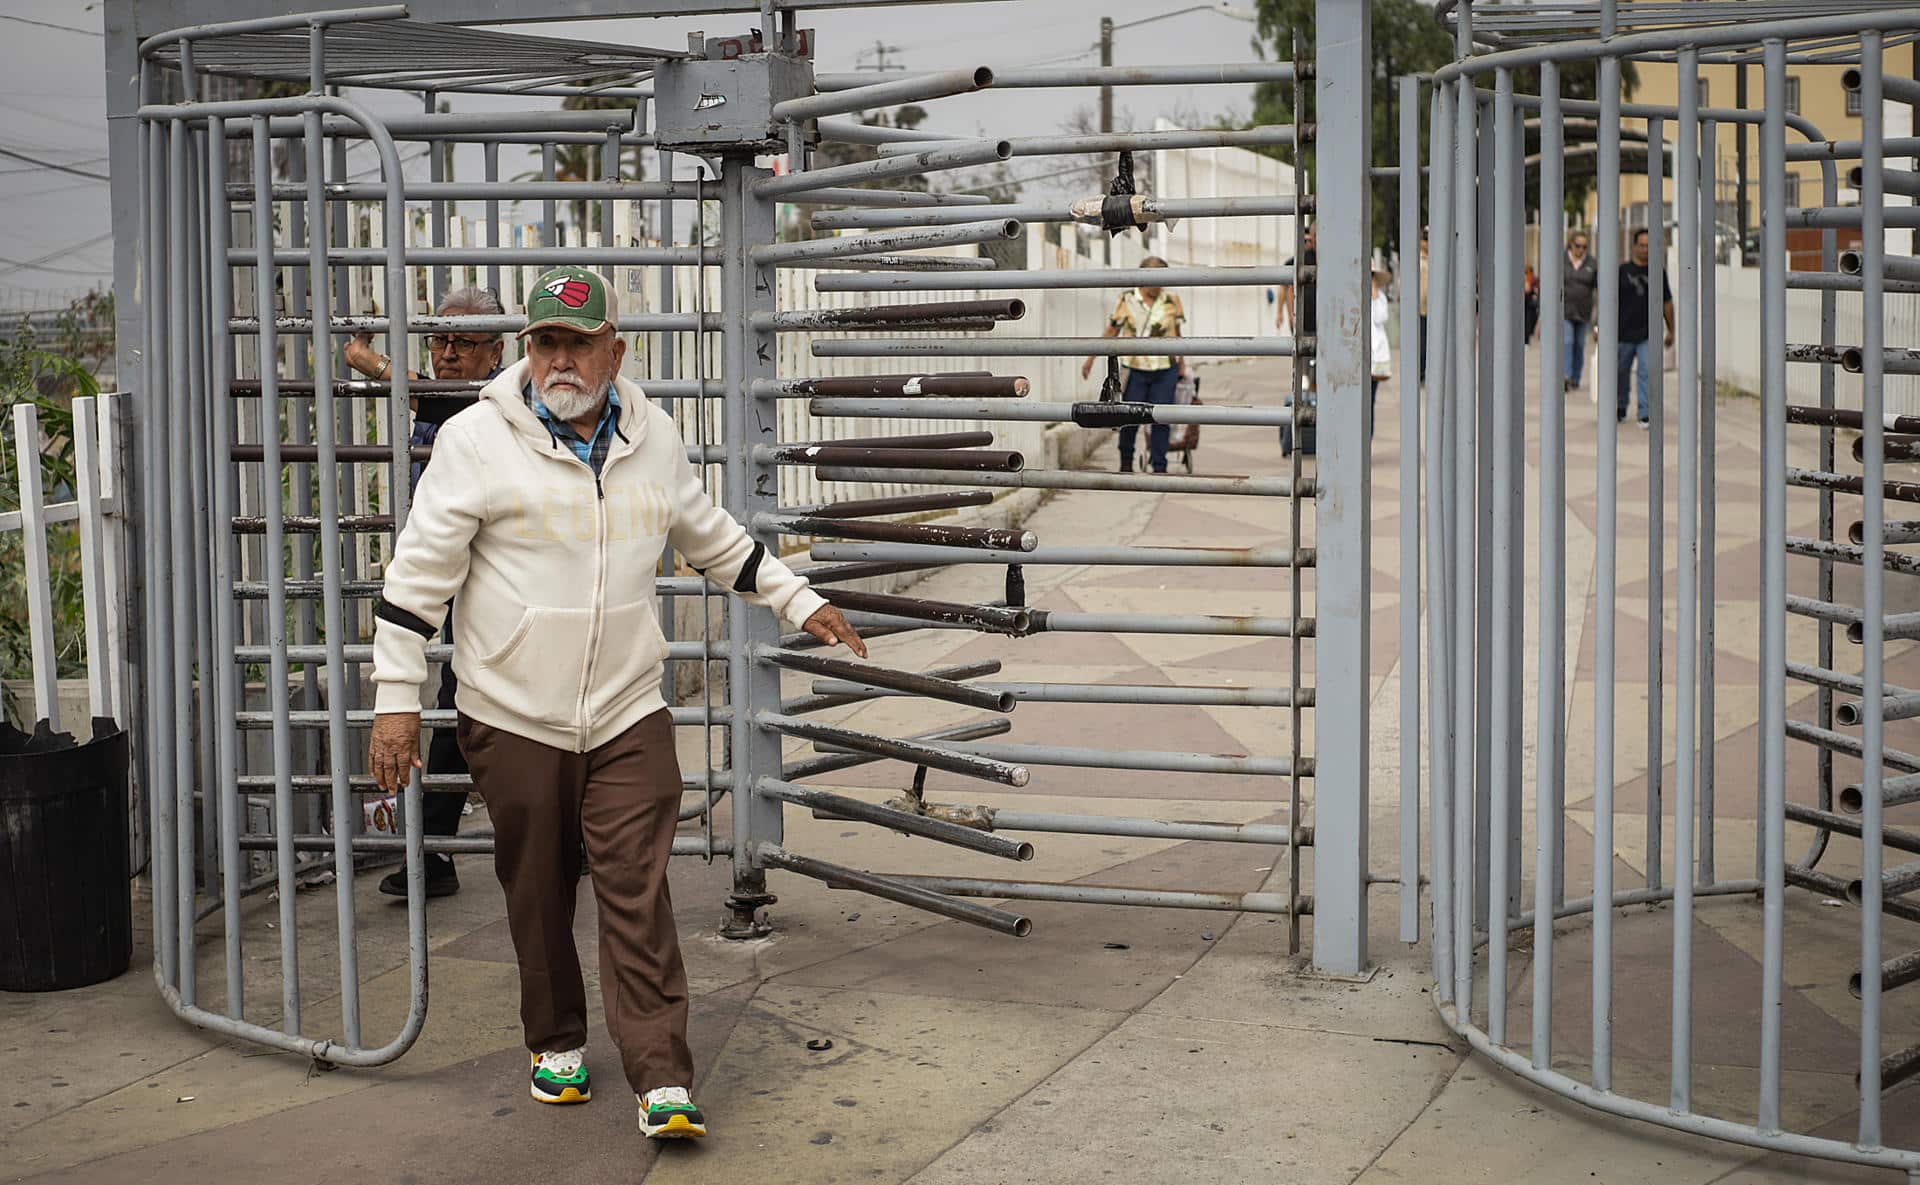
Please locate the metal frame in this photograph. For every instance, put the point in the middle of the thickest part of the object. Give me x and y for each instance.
(218, 528)
(1474, 929)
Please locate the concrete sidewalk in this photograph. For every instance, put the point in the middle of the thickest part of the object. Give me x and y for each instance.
(864, 1042)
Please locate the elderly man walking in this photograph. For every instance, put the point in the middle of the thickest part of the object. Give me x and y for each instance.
(545, 511)
(455, 356)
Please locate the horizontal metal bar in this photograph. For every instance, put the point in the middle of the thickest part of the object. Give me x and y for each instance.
(1026, 280)
(1087, 211)
(959, 460)
(1077, 76)
(990, 618)
(1814, 479)
(1834, 282)
(1834, 887)
(920, 312)
(683, 845)
(1839, 742)
(435, 718)
(931, 756)
(841, 806)
(1841, 553)
(857, 692)
(1181, 829)
(884, 94)
(1851, 150)
(803, 185)
(895, 889)
(421, 326)
(1082, 894)
(443, 652)
(1840, 417)
(264, 784)
(895, 386)
(1895, 972)
(438, 124)
(887, 198)
(1894, 882)
(1043, 347)
(1896, 791)
(1113, 693)
(929, 534)
(1270, 136)
(1054, 413)
(912, 683)
(1096, 553)
(475, 191)
(308, 524)
(800, 253)
(1134, 759)
(1899, 704)
(505, 256)
(812, 766)
(1845, 217)
(904, 504)
(1080, 479)
(1211, 625)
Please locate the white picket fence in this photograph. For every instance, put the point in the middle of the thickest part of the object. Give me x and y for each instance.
(95, 504)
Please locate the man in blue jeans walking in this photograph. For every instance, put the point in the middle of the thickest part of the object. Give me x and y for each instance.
(1635, 352)
(1151, 378)
(1578, 279)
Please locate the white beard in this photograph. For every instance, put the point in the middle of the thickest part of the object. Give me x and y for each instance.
(569, 402)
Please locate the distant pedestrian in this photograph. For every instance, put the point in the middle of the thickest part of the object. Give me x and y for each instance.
(1424, 269)
(1531, 297)
(1578, 280)
(1382, 367)
(1635, 351)
(1149, 312)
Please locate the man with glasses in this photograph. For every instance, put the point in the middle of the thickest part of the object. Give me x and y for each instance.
(461, 355)
(1579, 278)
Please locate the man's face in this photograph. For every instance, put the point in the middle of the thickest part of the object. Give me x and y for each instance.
(1640, 249)
(463, 355)
(571, 370)
(1578, 246)
(1312, 239)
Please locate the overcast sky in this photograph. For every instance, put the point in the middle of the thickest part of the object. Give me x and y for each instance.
(52, 103)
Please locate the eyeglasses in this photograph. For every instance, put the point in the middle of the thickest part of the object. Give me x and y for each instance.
(1580, 243)
(440, 343)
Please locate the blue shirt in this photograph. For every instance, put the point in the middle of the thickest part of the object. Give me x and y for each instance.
(592, 451)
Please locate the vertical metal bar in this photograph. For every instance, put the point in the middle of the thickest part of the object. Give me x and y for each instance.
(1873, 574)
(199, 440)
(1550, 744)
(339, 754)
(1296, 718)
(1773, 509)
(1462, 404)
(546, 206)
(268, 348)
(156, 433)
(437, 151)
(609, 170)
(1709, 396)
(1607, 240)
(302, 479)
(1503, 778)
(668, 357)
(179, 323)
(89, 488)
(33, 540)
(751, 420)
(490, 152)
(1482, 555)
(1687, 336)
(700, 435)
(1824, 629)
(1408, 388)
(1656, 484)
(225, 674)
(1343, 514)
(1439, 447)
(1514, 177)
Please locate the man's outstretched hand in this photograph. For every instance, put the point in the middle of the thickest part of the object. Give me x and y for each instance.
(830, 626)
(393, 752)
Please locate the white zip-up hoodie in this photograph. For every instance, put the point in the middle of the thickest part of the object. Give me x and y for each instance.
(556, 638)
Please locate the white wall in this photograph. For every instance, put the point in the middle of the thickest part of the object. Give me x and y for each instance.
(1737, 316)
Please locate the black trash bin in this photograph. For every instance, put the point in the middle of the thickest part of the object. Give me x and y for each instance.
(66, 919)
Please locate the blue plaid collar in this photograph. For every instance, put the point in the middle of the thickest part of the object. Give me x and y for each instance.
(593, 451)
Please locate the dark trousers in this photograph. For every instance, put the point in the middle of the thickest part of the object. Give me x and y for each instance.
(623, 798)
(1148, 386)
(442, 809)
(1423, 347)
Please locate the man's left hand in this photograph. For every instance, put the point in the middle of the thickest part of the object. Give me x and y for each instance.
(1669, 337)
(830, 626)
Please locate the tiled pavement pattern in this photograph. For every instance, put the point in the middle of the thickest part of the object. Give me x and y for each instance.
(1114, 1044)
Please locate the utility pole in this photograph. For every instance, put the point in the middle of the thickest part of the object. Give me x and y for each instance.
(1740, 152)
(1106, 59)
(879, 54)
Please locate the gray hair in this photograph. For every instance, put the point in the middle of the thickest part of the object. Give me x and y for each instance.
(472, 300)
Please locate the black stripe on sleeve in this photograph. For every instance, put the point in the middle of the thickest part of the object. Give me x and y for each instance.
(749, 578)
(388, 611)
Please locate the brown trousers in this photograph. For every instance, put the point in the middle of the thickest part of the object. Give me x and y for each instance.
(623, 799)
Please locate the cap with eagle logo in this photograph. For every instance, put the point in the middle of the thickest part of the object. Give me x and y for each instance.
(571, 298)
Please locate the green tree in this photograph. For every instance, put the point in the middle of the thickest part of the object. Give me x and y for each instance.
(1406, 40)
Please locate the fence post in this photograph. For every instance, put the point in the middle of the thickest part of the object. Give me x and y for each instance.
(86, 465)
(1343, 72)
(33, 540)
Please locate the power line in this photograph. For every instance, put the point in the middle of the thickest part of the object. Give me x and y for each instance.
(18, 265)
(50, 25)
(48, 164)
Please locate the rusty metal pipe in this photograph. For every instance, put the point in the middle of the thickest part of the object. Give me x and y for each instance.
(905, 504)
(946, 440)
(893, 889)
(932, 756)
(989, 618)
(896, 386)
(852, 691)
(309, 524)
(842, 807)
(1895, 972)
(930, 534)
(911, 682)
(1005, 309)
(953, 460)
(831, 763)
(1893, 448)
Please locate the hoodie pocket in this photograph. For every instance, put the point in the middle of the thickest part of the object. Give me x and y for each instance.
(628, 663)
(537, 670)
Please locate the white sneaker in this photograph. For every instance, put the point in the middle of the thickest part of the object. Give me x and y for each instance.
(667, 1113)
(561, 1077)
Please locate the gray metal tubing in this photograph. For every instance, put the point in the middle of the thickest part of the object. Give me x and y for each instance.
(1896, 972)
(157, 676)
(907, 682)
(1837, 282)
(894, 888)
(939, 830)
(180, 540)
(1550, 727)
(850, 131)
(799, 254)
(1687, 333)
(799, 185)
(1605, 578)
(514, 256)
(877, 94)
(270, 24)
(467, 843)
(1773, 335)
(199, 438)
(1853, 150)
(226, 678)
(1506, 411)
(362, 652)
(1827, 821)
(1897, 791)
(1891, 561)
(1011, 890)
(420, 326)
(1042, 347)
(1054, 822)
(1057, 76)
(993, 726)
(430, 718)
(1098, 553)
(1656, 503)
(1157, 209)
(1896, 881)
(1020, 280)
(855, 692)
(1409, 390)
(1466, 254)
(267, 354)
(1853, 263)
(1709, 388)
(1137, 759)
(490, 190)
(1099, 693)
(1440, 592)
(1025, 410)
(442, 126)
(1076, 479)
(1899, 704)
(1178, 623)
(1257, 137)
(885, 198)
(829, 738)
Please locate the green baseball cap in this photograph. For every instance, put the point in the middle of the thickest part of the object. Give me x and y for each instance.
(571, 298)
